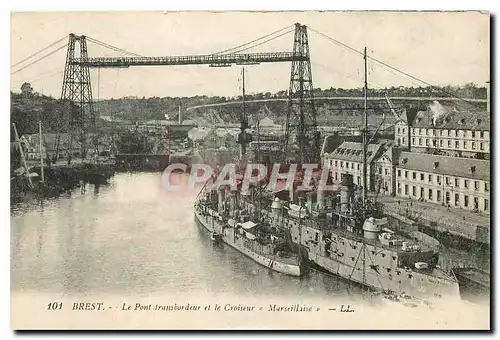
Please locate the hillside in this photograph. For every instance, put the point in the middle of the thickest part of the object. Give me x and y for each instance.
(26, 110)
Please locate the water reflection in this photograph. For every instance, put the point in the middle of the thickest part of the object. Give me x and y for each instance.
(132, 236)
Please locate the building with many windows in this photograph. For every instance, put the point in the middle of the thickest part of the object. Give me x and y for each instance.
(454, 133)
(457, 182)
(385, 168)
(348, 158)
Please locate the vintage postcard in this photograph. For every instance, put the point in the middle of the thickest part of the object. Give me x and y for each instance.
(250, 170)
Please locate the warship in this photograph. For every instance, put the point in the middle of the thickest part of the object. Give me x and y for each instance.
(232, 218)
(341, 232)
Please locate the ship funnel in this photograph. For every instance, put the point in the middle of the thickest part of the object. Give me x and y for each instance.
(222, 199)
(309, 201)
(320, 199)
(346, 193)
(276, 208)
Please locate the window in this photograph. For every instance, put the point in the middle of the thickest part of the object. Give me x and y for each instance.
(341, 164)
(413, 141)
(347, 165)
(481, 134)
(466, 183)
(406, 173)
(414, 190)
(476, 185)
(399, 130)
(430, 194)
(486, 187)
(438, 179)
(428, 132)
(422, 192)
(440, 142)
(386, 172)
(465, 144)
(416, 131)
(399, 187)
(406, 189)
(404, 130)
(476, 203)
(457, 182)
(438, 195)
(404, 141)
(414, 175)
(336, 176)
(481, 146)
(457, 145)
(447, 197)
(420, 141)
(457, 199)
(473, 144)
(352, 165)
(449, 143)
(421, 177)
(430, 178)
(357, 166)
(426, 142)
(447, 180)
(466, 201)
(452, 133)
(399, 173)
(486, 205)
(440, 132)
(473, 134)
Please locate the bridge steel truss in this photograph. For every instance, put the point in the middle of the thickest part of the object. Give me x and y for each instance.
(77, 91)
(301, 114)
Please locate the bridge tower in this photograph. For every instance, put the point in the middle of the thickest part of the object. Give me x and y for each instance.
(77, 91)
(301, 133)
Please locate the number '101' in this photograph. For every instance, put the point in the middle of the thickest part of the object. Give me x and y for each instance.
(54, 306)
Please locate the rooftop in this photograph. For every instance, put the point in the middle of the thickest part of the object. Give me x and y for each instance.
(453, 119)
(459, 167)
(353, 151)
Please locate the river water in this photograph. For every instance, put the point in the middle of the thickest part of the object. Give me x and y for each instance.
(134, 237)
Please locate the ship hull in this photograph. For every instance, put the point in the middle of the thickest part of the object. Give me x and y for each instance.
(373, 266)
(266, 261)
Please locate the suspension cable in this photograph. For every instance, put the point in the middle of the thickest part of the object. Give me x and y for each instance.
(263, 42)
(251, 42)
(39, 59)
(392, 67)
(42, 50)
(117, 49)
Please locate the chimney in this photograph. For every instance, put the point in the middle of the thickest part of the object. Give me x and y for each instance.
(435, 165)
(180, 115)
(472, 169)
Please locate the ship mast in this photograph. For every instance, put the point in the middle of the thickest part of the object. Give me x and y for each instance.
(41, 152)
(243, 138)
(365, 136)
(365, 167)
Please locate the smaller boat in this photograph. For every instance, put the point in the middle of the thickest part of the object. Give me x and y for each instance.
(215, 237)
(474, 284)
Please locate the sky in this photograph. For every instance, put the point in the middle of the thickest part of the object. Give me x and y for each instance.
(441, 48)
